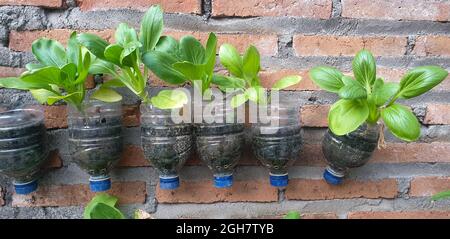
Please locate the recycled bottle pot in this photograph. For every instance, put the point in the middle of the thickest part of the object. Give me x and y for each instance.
(23, 147)
(167, 143)
(95, 140)
(348, 151)
(220, 142)
(277, 140)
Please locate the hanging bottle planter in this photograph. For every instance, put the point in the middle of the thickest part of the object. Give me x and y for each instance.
(95, 140)
(348, 151)
(23, 147)
(220, 143)
(276, 140)
(167, 145)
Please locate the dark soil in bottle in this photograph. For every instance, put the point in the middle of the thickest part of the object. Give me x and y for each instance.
(351, 150)
(278, 150)
(220, 145)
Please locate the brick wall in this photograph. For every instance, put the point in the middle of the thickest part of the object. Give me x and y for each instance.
(292, 36)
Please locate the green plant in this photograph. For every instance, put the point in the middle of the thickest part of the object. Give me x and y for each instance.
(122, 60)
(368, 98)
(441, 195)
(244, 75)
(60, 73)
(103, 206)
(292, 215)
(186, 60)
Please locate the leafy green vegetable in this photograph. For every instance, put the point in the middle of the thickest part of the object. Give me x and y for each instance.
(103, 206)
(292, 215)
(367, 98)
(441, 195)
(170, 99)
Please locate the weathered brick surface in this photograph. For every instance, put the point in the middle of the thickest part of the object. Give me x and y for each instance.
(312, 189)
(79, 194)
(54, 160)
(133, 156)
(131, 115)
(434, 10)
(10, 71)
(2, 197)
(204, 192)
(400, 215)
(428, 186)
(55, 116)
(437, 114)
(432, 46)
(328, 45)
(40, 3)
(314, 115)
(300, 8)
(179, 6)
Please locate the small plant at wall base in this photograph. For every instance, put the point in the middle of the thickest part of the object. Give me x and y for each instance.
(103, 206)
(368, 98)
(244, 75)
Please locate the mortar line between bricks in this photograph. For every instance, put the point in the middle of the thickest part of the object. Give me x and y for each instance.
(206, 9)
(336, 9)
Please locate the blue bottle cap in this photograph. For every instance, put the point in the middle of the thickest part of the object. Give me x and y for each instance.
(100, 184)
(279, 180)
(223, 181)
(26, 188)
(331, 179)
(169, 183)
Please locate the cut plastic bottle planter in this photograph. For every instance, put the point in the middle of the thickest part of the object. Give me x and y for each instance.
(23, 147)
(277, 141)
(95, 140)
(220, 142)
(167, 145)
(348, 151)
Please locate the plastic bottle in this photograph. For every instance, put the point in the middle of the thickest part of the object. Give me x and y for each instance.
(220, 143)
(348, 151)
(95, 140)
(23, 147)
(167, 145)
(277, 140)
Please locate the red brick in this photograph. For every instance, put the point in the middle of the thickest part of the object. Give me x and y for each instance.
(314, 115)
(133, 156)
(40, 3)
(326, 215)
(205, 192)
(79, 194)
(179, 6)
(432, 46)
(131, 115)
(428, 186)
(10, 72)
(55, 116)
(312, 189)
(320, 9)
(400, 215)
(436, 114)
(268, 78)
(54, 160)
(2, 197)
(89, 83)
(328, 45)
(433, 10)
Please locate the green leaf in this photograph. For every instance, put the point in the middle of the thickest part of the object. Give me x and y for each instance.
(73, 49)
(125, 34)
(71, 70)
(168, 45)
(401, 122)
(103, 211)
(192, 50)
(420, 80)
(169, 99)
(102, 67)
(382, 92)
(352, 90)
(100, 198)
(151, 28)
(238, 100)
(129, 54)
(231, 60)
(441, 195)
(113, 53)
(106, 94)
(251, 62)
(17, 83)
(228, 82)
(160, 63)
(55, 98)
(286, 82)
(114, 83)
(33, 66)
(364, 68)
(49, 52)
(210, 60)
(327, 78)
(346, 116)
(42, 95)
(189, 70)
(47, 75)
(292, 215)
(95, 44)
